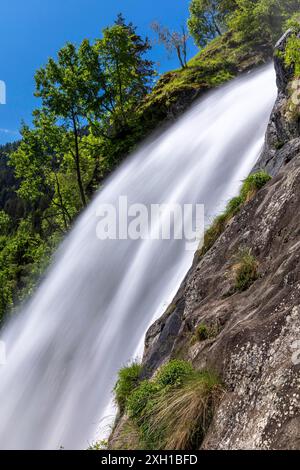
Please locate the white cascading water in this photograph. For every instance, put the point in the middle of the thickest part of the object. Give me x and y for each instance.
(89, 315)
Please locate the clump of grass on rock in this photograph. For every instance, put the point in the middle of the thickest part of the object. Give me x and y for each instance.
(254, 183)
(129, 378)
(204, 332)
(175, 408)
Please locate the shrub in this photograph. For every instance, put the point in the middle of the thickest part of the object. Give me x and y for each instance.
(127, 382)
(246, 271)
(174, 373)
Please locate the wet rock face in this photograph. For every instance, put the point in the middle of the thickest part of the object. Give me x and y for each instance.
(283, 135)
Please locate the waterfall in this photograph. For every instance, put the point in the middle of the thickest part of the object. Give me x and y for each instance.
(90, 313)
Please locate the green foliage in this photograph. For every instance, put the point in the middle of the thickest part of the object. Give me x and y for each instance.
(95, 108)
(221, 60)
(128, 380)
(264, 19)
(234, 205)
(292, 54)
(246, 270)
(213, 232)
(126, 74)
(174, 410)
(140, 398)
(208, 19)
(23, 257)
(174, 373)
(254, 183)
(87, 95)
(291, 58)
(293, 23)
(4, 223)
(247, 20)
(179, 419)
(69, 91)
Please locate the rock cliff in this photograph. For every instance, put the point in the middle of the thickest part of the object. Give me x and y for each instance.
(255, 347)
(283, 135)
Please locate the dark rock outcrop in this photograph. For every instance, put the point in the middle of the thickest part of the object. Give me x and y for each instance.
(283, 135)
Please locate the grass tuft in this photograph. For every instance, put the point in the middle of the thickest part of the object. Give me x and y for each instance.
(175, 409)
(246, 270)
(180, 417)
(254, 183)
(128, 381)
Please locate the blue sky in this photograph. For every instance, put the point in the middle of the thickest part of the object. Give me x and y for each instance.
(31, 31)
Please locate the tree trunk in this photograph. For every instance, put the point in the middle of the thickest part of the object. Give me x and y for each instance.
(184, 45)
(178, 50)
(77, 163)
(64, 211)
(216, 26)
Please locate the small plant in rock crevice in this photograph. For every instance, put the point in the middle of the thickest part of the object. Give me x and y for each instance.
(246, 270)
(204, 332)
